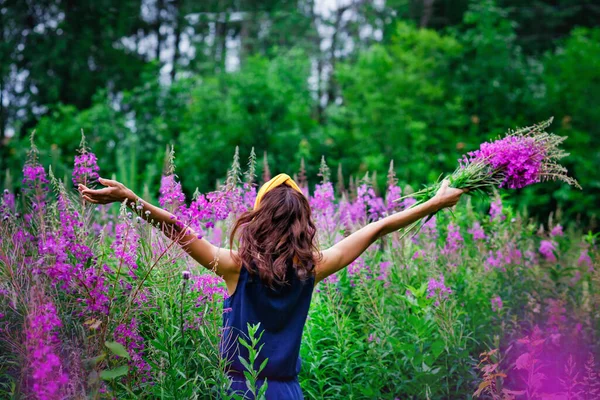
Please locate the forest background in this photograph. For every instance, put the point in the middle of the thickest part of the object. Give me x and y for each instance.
(419, 82)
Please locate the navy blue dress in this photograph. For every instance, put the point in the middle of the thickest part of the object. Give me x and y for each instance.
(282, 312)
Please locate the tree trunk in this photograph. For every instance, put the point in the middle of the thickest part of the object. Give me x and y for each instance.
(3, 156)
(427, 13)
(318, 111)
(158, 23)
(178, 23)
(247, 33)
(223, 41)
(332, 58)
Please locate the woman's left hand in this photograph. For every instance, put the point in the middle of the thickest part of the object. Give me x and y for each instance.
(113, 192)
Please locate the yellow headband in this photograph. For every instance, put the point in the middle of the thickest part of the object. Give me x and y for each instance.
(272, 184)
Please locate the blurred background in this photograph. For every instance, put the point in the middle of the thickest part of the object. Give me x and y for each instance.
(419, 82)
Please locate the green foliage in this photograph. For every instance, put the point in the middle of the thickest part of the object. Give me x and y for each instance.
(267, 105)
(397, 103)
(252, 371)
(420, 97)
(571, 77)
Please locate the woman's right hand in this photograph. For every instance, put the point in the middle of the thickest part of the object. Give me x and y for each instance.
(447, 196)
(113, 192)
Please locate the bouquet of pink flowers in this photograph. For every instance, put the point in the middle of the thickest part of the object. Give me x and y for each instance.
(521, 158)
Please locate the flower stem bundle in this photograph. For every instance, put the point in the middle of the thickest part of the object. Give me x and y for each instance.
(523, 157)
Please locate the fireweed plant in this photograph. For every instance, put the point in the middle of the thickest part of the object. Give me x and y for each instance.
(523, 157)
(96, 302)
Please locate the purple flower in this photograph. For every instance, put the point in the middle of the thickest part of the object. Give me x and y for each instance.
(356, 266)
(429, 229)
(510, 254)
(518, 158)
(323, 198)
(35, 185)
(547, 249)
(557, 231)
(249, 196)
(494, 260)
(373, 338)
(332, 279)
(418, 254)
(323, 208)
(437, 288)
(209, 288)
(585, 259)
(393, 193)
(477, 231)
(130, 338)
(86, 169)
(41, 343)
(496, 304)
(94, 287)
(384, 270)
(34, 175)
(126, 244)
(185, 275)
(7, 205)
(171, 195)
(496, 210)
(454, 240)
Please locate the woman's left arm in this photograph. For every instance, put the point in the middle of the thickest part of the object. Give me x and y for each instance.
(347, 250)
(222, 261)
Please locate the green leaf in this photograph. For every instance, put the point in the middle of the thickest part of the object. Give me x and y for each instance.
(437, 348)
(109, 374)
(245, 343)
(263, 365)
(117, 349)
(245, 363)
(94, 360)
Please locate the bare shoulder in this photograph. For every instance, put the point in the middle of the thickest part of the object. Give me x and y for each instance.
(327, 262)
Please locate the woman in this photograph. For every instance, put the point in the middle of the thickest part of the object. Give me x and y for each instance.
(270, 278)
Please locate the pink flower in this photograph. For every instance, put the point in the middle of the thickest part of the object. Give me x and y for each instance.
(209, 287)
(520, 159)
(557, 231)
(373, 338)
(477, 231)
(356, 266)
(547, 249)
(171, 195)
(394, 193)
(41, 343)
(126, 245)
(496, 210)
(496, 304)
(454, 240)
(585, 260)
(86, 169)
(130, 338)
(332, 279)
(437, 289)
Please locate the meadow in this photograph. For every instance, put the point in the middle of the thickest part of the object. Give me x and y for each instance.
(481, 302)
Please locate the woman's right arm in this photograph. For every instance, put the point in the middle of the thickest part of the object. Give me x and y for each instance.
(201, 250)
(350, 248)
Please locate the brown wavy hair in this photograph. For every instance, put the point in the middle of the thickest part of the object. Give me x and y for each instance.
(280, 231)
